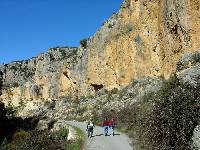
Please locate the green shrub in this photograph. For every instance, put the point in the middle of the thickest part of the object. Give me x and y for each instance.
(49, 104)
(5, 145)
(110, 26)
(44, 140)
(83, 43)
(10, 110)
(19, 137)
(51, 124)
(165, 119)
(196, 57)
(61, 134)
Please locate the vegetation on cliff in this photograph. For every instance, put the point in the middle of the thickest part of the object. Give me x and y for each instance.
(164, 119)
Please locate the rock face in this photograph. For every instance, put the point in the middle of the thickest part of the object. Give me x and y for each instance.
(196, 138)
(46, 76)
(145, 38)
(188, 69)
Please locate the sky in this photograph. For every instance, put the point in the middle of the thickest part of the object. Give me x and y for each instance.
(29, 27)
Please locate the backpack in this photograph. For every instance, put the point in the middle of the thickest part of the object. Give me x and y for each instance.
(90, 125)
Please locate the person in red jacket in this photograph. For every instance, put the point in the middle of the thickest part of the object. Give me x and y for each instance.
(112, 126)
(105, 126)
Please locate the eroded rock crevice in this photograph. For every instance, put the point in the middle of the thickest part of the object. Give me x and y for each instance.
(97, 87)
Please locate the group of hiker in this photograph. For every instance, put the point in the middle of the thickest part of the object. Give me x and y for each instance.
(108, 127)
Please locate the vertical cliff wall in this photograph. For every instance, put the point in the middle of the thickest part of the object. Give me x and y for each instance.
(145, 38)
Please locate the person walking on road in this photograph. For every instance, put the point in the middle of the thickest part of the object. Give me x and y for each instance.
(110, 127)
(112, 123)
(105, 126)
(90, 128)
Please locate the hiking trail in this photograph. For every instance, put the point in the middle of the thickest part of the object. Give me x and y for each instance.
(100, 142)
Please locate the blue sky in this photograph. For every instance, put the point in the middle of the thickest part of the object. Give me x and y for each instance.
(29, 27)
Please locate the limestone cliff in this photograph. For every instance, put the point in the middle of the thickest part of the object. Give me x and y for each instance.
(43, 77)
(145, 38)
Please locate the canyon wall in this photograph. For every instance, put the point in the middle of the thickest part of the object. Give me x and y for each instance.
(146, 38)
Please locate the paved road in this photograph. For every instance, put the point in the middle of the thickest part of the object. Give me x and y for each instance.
(100, 142)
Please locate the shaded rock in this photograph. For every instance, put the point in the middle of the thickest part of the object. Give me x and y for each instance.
(42, 125)
(191, 76)
(72, 134)
(196, 138)
(188, 60)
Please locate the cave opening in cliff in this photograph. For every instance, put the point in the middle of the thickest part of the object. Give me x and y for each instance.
(65, 73)
(97, 87)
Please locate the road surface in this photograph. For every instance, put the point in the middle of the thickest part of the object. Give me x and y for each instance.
(100, 142)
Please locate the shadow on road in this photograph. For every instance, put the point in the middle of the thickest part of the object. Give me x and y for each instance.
(98, 135)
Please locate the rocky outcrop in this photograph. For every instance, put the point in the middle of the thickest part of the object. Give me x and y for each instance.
(46, 76)
(189, 69)
(196, 138)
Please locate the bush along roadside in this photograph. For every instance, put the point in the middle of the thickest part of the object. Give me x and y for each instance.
(164, 119)
(37, 140)
(46, 140)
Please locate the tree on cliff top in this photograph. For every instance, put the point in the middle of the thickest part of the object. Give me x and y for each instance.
(83, 43)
